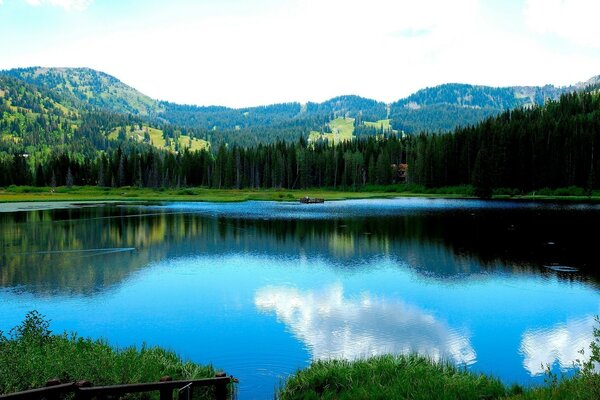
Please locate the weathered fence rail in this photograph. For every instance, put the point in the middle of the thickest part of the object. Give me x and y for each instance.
(84, 390)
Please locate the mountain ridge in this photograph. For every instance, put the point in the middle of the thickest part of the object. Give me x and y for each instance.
(438, 108)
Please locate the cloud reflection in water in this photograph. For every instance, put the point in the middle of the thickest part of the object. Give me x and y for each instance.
(560, 344)
(332, 326)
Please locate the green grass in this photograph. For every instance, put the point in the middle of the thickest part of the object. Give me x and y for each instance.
(385, 123)
(30, 355)
(342, 129)
(389, 377)
(416, 377)
(94, 193)
(157, 140)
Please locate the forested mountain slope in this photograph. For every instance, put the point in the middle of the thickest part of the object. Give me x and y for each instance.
(87, 87)
(537, 148)
(437, 109)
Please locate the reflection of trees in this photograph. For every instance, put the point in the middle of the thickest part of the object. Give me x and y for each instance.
(49, 250)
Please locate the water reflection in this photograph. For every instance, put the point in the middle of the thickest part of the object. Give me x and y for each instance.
(50, 251)
(335, 327)
(260, 289)
(560, 344)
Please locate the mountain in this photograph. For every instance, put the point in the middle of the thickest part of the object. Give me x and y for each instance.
(436, 109)
(35, 120)
(89, 88)
(50, 136)
(445, 107)
(351, 107)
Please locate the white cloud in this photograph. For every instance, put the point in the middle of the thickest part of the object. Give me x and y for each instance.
(69, 5)
(332, 326)
(574, 20)
(560, 344)
(263, 52)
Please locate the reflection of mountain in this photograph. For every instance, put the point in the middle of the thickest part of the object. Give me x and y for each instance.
(67, 251)
(336, 327)
(559, 344)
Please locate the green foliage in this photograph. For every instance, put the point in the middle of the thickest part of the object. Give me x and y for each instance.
(564, 191)
(31, 355)
(446, 107)
(550, 146)
(87, 86)
(50, 136)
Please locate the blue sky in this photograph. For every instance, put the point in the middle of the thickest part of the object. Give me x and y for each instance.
(239, 53)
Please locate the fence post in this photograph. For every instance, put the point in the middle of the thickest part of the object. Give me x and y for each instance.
(80, 395)
(50, 383)
(221, 388)
(166, 394)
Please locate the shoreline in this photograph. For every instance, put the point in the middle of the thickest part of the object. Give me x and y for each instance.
(27, 198)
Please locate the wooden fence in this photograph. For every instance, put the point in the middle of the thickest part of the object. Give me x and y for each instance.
(84, 390)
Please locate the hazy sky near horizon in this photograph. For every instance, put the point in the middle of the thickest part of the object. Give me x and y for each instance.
(242, 53)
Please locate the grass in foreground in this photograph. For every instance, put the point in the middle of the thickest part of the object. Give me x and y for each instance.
(30, 355)
(389, 377)
(416, 377)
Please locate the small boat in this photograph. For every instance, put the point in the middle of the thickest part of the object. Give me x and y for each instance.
(311, 200)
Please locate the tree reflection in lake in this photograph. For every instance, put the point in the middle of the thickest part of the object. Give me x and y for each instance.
(262, 288)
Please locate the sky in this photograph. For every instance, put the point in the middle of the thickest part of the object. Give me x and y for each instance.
(254, 52)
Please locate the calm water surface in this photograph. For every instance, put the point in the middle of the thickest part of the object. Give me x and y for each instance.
(261, 289)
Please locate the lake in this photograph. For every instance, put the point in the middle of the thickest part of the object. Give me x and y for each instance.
(260, 289)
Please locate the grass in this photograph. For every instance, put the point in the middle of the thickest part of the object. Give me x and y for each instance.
(157, 140)
(94, 193)
(390, 377)
(416, 377)
(342, 129)
(385, 123)
(30, 355)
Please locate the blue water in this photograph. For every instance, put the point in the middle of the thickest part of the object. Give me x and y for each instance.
(260, 289)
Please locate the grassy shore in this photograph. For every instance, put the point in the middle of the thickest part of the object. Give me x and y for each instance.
(30, 355)
(93, 193)
(389, 377)
(414, 377)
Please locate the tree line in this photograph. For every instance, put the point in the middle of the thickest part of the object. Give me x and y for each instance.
(555, 145)
(276, 165)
